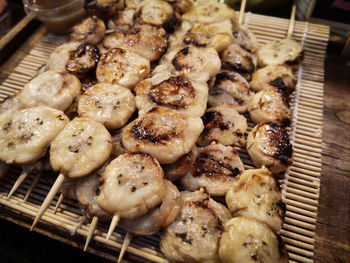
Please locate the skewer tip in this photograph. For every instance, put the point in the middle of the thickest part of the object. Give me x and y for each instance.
(126, 243)
(112, 226)
(91, 231)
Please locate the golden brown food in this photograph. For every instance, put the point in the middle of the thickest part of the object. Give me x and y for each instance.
(250, 241)
(132, 184)
(232, 89)
(223, 124)
(173, 92)
(280, 76)
(268, 144)
(194, 235)
(91, 30)
(270, 104)
(163, 133)
(111, 105)
(215, 169)
(285, 51)
(257, 195)
(82, 146)
(25, 136)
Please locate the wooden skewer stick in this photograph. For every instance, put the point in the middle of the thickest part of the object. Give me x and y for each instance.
(113, 225)
(78, 225)
(34, 183)
(126, 243)
(291, 22)
(54, 189)
(91, 231)
(20, 179)
(59, 202)
(241, 12)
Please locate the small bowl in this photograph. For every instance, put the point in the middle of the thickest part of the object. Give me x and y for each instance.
(57, 18)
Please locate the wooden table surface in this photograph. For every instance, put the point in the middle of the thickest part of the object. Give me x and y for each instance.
(333, 221)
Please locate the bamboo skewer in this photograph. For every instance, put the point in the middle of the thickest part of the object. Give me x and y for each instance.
(59, 202)
(91, 231)
(19, 181)
(112, 226)
(48, 199)
(126, 243)
(291, 22)
(25, 172)
(241, 12)
(35, 181)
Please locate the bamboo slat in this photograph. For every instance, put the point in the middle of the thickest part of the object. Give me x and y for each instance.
(300, 185)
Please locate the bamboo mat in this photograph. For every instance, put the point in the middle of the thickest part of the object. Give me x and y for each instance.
(300, 185)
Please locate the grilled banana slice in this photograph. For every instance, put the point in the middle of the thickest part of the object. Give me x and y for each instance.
(91, 30)
(216, 168)
(74, 57)
(194, 235)
(165, 134)
(146, 40)
(224, 125)
(280, 76)
(209, 11)
(82, 146)
(132, 184)
(11, 103)
(111, 105)
(173, 92)
(159, 217)
(285, 51)
(157, 13)
(250, 241)
(245, 38)
(217, 35)
(117, 144)
(123, 20)
(268, 144)
(257, 195)
(270, 104)
(197, 64)
(25, 136)
(176, 170)
(123, 67)
(239, 60)
(232, 89)
(56, 89)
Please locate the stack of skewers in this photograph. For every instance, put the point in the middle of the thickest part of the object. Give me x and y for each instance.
(142, 120)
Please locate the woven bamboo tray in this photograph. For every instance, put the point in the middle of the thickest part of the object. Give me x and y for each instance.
(300, 185)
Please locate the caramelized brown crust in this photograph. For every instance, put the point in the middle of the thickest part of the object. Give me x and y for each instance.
(83, 60)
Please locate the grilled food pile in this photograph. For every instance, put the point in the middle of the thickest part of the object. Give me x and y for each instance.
(142, 109)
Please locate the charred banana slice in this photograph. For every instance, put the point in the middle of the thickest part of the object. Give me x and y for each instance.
(285, 51)
(270, 104)
(173, 92)
(163, 133)
(280, 76)
(146, 40)
(91, 30)
(232, 89)
(216, 168)
(123, 67)
(224, 125)
(268, 144)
